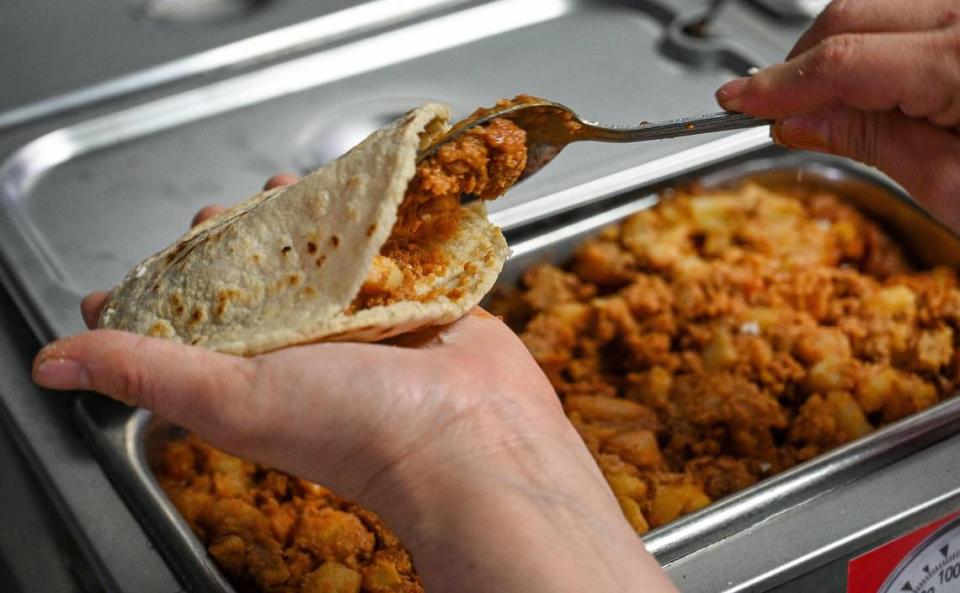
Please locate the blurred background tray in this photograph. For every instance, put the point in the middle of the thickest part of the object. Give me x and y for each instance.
(80, 205)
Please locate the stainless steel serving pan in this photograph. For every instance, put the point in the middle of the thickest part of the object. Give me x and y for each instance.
(128, 440)
(929, 242)
(80, 205)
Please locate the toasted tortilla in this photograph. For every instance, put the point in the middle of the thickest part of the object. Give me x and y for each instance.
(283, 267)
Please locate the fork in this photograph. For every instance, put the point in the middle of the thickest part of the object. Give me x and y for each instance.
(551, 126)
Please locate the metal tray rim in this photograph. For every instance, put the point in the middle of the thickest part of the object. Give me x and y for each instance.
(134, 440)
(344, 24)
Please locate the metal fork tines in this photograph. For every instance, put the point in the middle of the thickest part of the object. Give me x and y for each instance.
(551, 126)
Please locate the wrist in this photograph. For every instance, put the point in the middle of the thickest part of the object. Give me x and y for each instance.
(536, 513)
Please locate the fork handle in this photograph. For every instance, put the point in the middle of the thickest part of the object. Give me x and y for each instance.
(685, 126)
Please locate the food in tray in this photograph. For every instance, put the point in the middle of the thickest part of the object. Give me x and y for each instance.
(698, 347)
(271, 532)
(367, 247)
(724, 336)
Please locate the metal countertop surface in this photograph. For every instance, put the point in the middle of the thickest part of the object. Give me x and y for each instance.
(73, 494)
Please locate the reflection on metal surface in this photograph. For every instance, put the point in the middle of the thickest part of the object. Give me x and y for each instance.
(622, 181)
(805, 8)
(196, 10)
(323, 30)
(283, 79)
(18, 173)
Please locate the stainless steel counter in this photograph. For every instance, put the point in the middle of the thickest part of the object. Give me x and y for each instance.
(36, 552)
(79, 533)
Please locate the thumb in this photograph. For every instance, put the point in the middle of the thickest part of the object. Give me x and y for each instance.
(191, 386)
(920, 156)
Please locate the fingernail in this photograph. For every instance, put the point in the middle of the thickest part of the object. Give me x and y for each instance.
(61, 373)
(729, 94)
(805, 132)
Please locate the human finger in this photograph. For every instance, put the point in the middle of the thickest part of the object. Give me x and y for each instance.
(196, 388)
(912, 72)
(90, 307)
(205, 213)
(875, 16)
(920, 156)
(492, 350)
(434, 335)
(280, 180)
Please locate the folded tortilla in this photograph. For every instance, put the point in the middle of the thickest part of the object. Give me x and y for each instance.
(288, 265)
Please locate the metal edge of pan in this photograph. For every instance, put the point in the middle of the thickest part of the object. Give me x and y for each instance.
(117, 435)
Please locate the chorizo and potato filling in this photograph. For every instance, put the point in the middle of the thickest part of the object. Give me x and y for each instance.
(272, 533)
(718, 339)
(483, 162)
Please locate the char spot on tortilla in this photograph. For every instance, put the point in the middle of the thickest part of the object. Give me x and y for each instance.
(309, 291)
(256, 258)
(178, 310)
(286, 249)
(371, 229)
(224, 296)
(320, 260)
(311, 247)
(160, 329)
(293, 279)
(335, 241)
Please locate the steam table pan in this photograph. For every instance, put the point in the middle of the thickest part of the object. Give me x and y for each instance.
(129, 440)
(81, 205)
